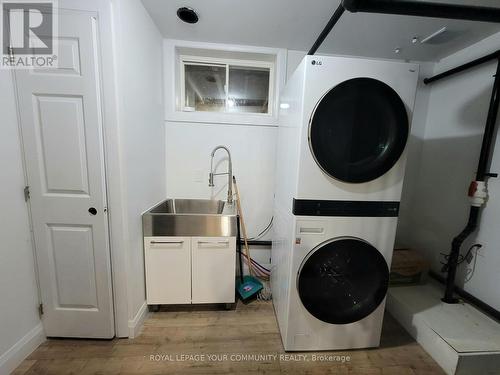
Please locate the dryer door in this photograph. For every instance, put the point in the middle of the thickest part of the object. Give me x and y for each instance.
(343, 280)
(358, 130)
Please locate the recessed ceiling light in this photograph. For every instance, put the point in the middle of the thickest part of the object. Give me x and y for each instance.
(187, 15)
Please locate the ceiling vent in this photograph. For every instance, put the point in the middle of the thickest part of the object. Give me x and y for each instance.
(187, 15)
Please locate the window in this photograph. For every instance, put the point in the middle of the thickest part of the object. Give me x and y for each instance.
(205, 87)
(229, 86)
(222, 84)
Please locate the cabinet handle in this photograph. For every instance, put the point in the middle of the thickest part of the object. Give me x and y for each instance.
(213, 242)
(166, 242)
(311, 230)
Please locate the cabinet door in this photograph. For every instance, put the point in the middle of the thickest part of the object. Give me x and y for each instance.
(213, 269)
(168, 270)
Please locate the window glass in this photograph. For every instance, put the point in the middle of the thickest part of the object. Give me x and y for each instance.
(205, 87)
(248, 89)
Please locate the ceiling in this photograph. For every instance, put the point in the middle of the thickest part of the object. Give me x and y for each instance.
(295, 24)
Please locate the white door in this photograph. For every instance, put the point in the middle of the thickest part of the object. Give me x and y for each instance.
(213, 261)
(61, 122)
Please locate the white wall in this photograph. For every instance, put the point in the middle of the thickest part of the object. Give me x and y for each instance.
(139, 66)
(18, 311)
(457, 112)
(253, 153)
(414, 155)
(293, 60)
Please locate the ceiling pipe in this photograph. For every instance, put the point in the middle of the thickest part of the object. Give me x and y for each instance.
(461, 68)
(408, 8)
(424, 9)
(329, 26)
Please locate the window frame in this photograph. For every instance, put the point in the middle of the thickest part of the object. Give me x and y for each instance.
(227, 63)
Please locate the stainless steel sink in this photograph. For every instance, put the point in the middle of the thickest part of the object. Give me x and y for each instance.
(190, 217)
(189, 206)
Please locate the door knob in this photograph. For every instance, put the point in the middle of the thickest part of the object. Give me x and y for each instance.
(92, 211)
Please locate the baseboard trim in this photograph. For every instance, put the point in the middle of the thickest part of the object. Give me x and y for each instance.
(13, 357)
(135, 325)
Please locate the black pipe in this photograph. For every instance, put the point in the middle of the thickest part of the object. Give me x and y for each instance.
(424, 9)
(257, 243)
(329, 26)
(489, 310)
(461, 68)
(239, 250)
(489, 131)
(481, 175)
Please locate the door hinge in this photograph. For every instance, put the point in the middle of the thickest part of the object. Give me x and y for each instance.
(40, 309)
(26, 193)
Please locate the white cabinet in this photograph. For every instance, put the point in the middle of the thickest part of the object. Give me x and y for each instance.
(213, 262)
(183, 270)
(168, 269)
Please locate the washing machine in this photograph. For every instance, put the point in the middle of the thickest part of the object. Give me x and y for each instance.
(329, 280)
(343, 130)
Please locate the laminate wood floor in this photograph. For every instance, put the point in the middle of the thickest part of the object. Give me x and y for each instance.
(172, 342)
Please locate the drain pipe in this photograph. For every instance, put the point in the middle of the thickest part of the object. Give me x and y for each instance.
(477, 192)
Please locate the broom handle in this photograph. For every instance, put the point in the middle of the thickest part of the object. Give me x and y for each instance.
(238, 246)
(243, 227)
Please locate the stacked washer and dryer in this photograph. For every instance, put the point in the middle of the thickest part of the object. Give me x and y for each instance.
(344, 126)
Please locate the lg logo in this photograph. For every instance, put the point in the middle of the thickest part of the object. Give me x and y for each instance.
(27, 28)
(316, 62)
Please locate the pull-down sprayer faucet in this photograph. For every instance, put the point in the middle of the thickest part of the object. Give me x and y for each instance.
(229, 173)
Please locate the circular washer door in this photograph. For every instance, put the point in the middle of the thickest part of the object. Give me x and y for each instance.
(358, 130)
(343, 280)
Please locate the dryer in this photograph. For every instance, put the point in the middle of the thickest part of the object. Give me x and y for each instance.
(329, 280)
(343, 129)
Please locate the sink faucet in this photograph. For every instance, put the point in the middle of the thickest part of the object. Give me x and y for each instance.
(229, 173)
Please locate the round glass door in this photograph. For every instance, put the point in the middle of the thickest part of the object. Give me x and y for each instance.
(343, 280)
(358, 130)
